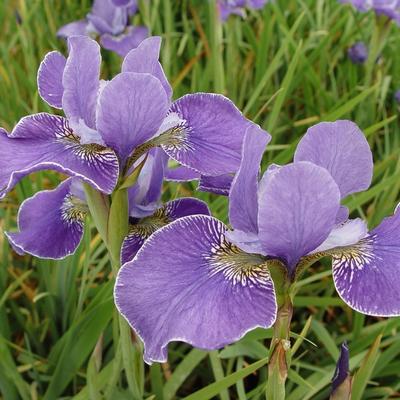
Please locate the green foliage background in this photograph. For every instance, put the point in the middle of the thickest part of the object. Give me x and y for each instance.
(286, 67)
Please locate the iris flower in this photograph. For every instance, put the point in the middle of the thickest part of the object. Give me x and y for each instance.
(108, 128)
(109, 19)
(389, 8)
(358, 53)
(228, 7)
(197, 269)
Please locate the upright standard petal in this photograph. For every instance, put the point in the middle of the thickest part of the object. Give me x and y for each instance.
(49, 78)
(367, 274)
(43, 141)
(343, 150)
(243, 202)
(210, 135)
(131, 109)
(145, 195)
(50, 223)
(126, 41)
(187, 271)
(145, 59)
(75, 28)
(81, 80)
(106, 17)
(298, 205)
(142, 229)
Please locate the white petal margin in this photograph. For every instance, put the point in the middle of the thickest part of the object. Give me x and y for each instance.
(187, 283)
(367, 274)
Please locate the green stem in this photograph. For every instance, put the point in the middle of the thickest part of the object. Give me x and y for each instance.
(118, 223)
(279, 362)
(279, 353)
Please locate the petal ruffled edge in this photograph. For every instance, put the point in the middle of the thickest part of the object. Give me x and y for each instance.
(230, 289)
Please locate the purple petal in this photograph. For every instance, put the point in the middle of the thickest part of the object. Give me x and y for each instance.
(257, 4)
(342, 367)
(366, 275)
(211, 134)
(145, 227)
(123, 3)
(131, 109)
(298, 205)
(145, 59)
(243, 202)
(145, 195)
(49, 78)
(43, 141)
(345, 234)
(50, 223)
(125, 42)
(181, 174)
(342, 149)
(220, 184)
(81, 80)
(358, 53)
(107, 18)
(76, 28)
(342, 215)
(187, 284)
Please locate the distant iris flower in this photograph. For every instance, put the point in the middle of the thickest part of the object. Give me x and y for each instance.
(390, 8)
(109, 19)
(358, 53)
(106, 123)
(228, 7)
(198, 270)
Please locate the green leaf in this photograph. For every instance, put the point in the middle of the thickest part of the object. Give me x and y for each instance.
(361, 378)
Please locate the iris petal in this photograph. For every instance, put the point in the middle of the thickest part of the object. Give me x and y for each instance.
(132, 107)
(81, 80)
(43, 141)
(144, 228)
(243, 202)
(188, 283)
(126, 41)
(50, 223)
(298, 204)
(209, 140)
(49, 78)
(220, 184)
(343, 150)
(145, 59)
(367, 275)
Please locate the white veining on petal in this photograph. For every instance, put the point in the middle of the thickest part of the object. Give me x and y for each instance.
(237, 266)
(354, 259)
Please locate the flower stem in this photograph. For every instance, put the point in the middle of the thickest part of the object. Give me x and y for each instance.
(112, 220)
(279, 354)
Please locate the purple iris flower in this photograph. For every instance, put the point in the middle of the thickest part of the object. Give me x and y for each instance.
(197, 269)
(390, 8)
(228, 7)
(341, 381)
(109, 19)
(105, 124)
(358, 53)
(397, 96)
